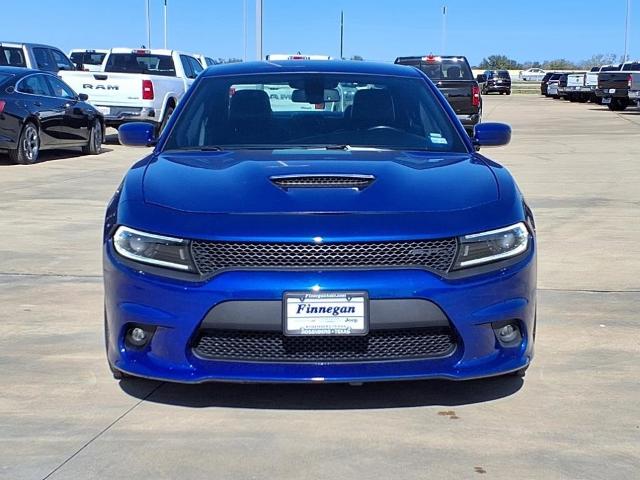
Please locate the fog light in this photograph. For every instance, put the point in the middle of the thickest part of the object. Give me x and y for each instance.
(138, 337)
(508, 333)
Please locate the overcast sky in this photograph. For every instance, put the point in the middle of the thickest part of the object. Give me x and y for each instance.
(375, 29)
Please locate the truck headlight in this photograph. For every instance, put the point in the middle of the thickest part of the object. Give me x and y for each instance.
(491, 246)
(153, 249)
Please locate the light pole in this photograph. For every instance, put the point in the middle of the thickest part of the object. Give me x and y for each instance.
(626, 32)
(148, 24)
(244, 28)
(444, 30)
(341, 35)
(259, 29)
(165, 24)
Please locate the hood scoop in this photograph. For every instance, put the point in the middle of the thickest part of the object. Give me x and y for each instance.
(355, 181)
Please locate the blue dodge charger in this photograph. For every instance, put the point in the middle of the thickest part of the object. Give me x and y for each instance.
(318, 221)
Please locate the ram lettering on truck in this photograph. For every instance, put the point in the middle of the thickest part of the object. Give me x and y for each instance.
(137, 84)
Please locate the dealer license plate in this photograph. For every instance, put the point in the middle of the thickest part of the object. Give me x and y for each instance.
(326, 313)
(606, 100)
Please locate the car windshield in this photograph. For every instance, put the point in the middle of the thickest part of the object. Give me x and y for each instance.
(141, 63)
(314, 110)
(440, 68)
(88, 58)
(631, 67)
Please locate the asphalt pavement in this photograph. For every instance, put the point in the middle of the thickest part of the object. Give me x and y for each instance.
(576, 415)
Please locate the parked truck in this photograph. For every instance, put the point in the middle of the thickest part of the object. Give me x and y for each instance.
(137, 84)
(591, 80)
(613, 87)
(34, 55)
(634, 88)
(576, 89)
(453, 77)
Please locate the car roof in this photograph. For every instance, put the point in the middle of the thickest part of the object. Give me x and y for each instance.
(315, 66)
(21, 71)
(25, 44)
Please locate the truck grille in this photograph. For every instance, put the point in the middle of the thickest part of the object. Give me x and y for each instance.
(436, 255)
(255, 346)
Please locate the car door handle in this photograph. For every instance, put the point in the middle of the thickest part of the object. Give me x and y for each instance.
(37, 104)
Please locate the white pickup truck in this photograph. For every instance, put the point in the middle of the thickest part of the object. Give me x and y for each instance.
(634, 87)
(137, 84)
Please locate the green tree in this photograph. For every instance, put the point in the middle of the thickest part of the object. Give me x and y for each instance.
(559, 64)
(499, 62)
(599, 60)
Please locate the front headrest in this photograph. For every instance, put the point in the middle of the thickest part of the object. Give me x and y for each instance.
(373, 106)
(250, 104)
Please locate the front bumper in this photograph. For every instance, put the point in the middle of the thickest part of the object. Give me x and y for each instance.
(177, 309)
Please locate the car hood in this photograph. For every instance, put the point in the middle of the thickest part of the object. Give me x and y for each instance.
(242, 181)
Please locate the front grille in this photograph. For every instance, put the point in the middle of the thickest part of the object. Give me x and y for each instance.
(380, 345)
(436, 255)
(323, 181)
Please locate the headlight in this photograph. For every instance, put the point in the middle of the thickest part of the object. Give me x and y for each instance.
(153, 249)
(491, 246)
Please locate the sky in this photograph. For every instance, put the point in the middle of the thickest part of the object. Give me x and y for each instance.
(525, 30)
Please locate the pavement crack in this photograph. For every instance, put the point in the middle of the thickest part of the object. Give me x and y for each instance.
(45, 275)
(104, 430)
(585, 290)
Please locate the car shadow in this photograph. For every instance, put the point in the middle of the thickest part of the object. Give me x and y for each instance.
(111, 139)
(324, 396)
(52, 155)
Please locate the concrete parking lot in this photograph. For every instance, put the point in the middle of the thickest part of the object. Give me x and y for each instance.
(576, 415)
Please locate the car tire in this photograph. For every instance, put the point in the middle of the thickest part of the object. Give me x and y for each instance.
(28, 149)
(508, 92)
(94, 147)
(165, 120)
(617, 105)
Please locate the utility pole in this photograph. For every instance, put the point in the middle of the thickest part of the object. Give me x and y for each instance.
(244, 28)
(626, 32)
(148, 25)
(165, 24)
(341, 34)
(444, 30)
(259, 29)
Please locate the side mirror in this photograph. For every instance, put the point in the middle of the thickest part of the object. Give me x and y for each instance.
(83, 97)
(491, 134)
(481, 78)
(137, 134)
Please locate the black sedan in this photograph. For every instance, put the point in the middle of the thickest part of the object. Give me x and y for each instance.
(39, 111)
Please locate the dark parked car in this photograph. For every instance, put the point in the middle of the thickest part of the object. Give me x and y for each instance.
(39, 111)
(453, 77)
(553, 85)
(545, 83)
(495, 81)
(562, 86)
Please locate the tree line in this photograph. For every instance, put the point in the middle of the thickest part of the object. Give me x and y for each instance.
(502, 62)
